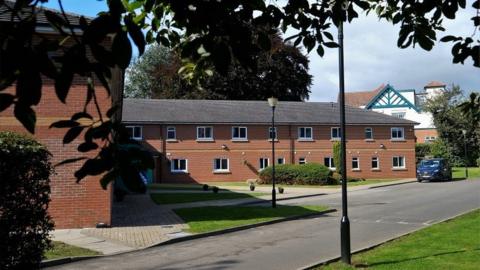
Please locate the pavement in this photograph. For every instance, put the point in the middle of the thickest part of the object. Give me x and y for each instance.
(138, 223)
(376, 215)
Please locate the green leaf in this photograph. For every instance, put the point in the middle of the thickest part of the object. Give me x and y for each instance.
(55, 20)
(70, 160)
(122, 49)
(62, 84)
(79, 115)
(29, 87)
(5, 101)
(72, 134)
(331, 44)
(320, 50)
(87, 146)
(449, 38)
(64, 124)
(107, 178)
(26, 116)
(111, 111)
(136, 34)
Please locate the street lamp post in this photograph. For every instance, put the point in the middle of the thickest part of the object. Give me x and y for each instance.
(273, 103)
(465, 145)
(344, 223)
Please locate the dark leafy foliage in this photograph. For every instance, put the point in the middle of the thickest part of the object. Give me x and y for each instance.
(295, 174)
(24, 197)
(205, 43)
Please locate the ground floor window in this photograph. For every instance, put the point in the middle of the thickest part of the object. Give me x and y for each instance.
(355, 163)
(178, 165)
(263, 163)
(281, 160)
(220, 164)
(328, 161)
(398, 162)
(302, 160)
(375, 164)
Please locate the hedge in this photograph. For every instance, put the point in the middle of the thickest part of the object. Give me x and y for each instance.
(295, 174)
(24, 196)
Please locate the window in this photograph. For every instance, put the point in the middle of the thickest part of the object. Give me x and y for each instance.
(398, 162)
(220, 165)
(178, 165)
(302, 160)
(272, 133)
(355, 163)
(398, 114)
(135, 132)
(368, 133)
(375, 164)
(305, 133)
(328, 161)
(430, 138)
(171, 133)
(239, 133)
(204, 133)
(397, 133)
(281, 160)
(335, 133)
(263, 163)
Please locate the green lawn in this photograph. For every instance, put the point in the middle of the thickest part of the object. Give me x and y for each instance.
(171, 198)
(459, 172)
(62, 250)
(213, 218)
(453, 244)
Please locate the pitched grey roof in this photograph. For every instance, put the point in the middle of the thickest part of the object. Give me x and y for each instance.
(246, 112)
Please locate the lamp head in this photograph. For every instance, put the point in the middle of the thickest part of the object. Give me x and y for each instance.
(272, 101)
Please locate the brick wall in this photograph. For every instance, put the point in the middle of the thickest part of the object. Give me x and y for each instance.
(421, 134)
(244, 156)
(73, 205)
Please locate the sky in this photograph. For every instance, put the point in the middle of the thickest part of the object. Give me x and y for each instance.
(371, 56)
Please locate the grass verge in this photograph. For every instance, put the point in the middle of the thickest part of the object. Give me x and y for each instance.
(453, 244)
(172, 198)
(459, 172)
(213, 218)
(62, 250)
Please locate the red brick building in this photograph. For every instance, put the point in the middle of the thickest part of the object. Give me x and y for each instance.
(72, 205)
(206, 140)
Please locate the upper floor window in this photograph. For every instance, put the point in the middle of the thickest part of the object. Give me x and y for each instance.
(305, 133)
(398, 162)
(135, 132)
(239, 133)
(430, 138)
(178, 165)
(398, 114)
(397, 133)
(263, 163)
(368, 133)
(336, 133)
(302, 160)
(204, 133)
(355, 163)
(171, 133)
(221, 165)
(328, 161)
(272, 133)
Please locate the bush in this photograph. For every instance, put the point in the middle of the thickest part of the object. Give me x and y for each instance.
(295, 174)
(478, 162)
(24, 196)
(336, 179)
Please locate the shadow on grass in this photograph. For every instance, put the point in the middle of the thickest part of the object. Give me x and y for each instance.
(189, 197)
(360, 265)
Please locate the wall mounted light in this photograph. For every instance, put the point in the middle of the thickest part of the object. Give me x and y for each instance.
(382, 146)
(224, 146)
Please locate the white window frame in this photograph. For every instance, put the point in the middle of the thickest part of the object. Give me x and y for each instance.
(170, 128)
(300, 162)
(305, 133)
(221, 169)
(378, 163)
(133, 132)
(239, 138)
(282, 160)
(400, 115)
(397, 129)
(330, 162)
(205, 138)
(275, 133)
(371, 133)
(398, 161)
(172, 165)
(262, 163)
(357, 159)
(339, 133)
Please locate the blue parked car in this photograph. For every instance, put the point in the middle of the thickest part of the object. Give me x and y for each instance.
(434, 169)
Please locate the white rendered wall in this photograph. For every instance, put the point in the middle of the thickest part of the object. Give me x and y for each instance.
(424, 118)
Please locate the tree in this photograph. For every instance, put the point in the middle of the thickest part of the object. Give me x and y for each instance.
(449, 121)
(281, 72)
(204, 42)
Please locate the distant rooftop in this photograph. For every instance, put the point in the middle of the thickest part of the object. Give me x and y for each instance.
(362, 98)
(247, 112)
(434, 84)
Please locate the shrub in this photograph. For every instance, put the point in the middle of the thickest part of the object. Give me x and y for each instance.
(478, 162)
(24, 196)
(336, 179)
(291, 174)
(337, 156)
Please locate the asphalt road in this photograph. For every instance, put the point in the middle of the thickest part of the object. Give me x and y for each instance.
(375, 214)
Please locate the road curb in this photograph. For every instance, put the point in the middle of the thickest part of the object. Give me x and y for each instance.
(367, 248)
(240, 228)
(394, 184)
(60, 261)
